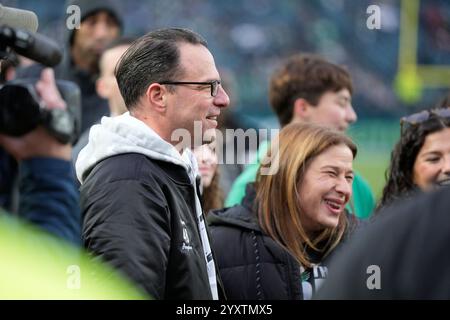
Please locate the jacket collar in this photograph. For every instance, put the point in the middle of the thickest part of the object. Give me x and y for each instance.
(127, 134)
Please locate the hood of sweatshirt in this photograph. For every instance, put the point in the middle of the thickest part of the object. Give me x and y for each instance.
(127, 134)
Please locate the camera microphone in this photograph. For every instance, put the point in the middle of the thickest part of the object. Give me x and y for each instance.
(17, 31)
(18, 18)
(33, 46)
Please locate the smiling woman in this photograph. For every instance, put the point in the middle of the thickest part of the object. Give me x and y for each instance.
(276, 243)
(303, 204)
(420, 161)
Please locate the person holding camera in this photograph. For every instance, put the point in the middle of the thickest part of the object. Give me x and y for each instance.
(48, 195)
(48, 268)
(38, 123)
(100, 24)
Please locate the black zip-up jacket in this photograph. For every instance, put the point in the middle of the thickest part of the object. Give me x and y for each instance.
(252, 265)
(138, 200)
(136, 211)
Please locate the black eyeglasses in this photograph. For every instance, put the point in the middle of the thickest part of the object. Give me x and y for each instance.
(213, 84)
(421, 117)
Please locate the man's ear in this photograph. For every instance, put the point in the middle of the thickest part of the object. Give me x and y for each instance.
(101, 88)
(156, 96)
(302, 110)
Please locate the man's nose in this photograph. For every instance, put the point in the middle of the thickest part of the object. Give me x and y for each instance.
(221, 99)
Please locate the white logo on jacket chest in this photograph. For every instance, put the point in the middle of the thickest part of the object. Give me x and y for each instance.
(186, 243)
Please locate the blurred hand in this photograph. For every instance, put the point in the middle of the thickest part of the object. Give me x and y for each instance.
(46, 87)
(39, 143)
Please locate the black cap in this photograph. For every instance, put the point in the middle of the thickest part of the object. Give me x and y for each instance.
(92, 7)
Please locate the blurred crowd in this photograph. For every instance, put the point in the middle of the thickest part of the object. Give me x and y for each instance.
(248, 37)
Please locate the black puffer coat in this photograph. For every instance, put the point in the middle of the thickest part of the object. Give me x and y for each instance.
(252, 265)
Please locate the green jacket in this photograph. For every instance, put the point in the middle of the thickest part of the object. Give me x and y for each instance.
(362, 203)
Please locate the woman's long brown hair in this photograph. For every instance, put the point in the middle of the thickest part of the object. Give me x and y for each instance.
(277, 194)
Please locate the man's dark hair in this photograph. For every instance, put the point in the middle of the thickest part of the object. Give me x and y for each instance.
(304, 76)
(154, 57)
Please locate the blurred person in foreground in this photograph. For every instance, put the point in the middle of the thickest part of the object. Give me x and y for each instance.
(403, 254)
(36, 265)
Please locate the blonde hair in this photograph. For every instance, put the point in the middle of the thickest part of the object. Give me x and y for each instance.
(277, 195)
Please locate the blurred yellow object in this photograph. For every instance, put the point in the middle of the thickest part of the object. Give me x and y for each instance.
(35, 265)
(408, 85)
(412, 78)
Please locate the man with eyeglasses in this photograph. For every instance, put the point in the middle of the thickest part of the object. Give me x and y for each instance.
(140, 185)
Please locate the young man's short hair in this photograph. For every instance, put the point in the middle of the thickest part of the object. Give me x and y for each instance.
(304, 76)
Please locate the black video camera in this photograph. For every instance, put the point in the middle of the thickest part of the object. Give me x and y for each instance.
(21, 109)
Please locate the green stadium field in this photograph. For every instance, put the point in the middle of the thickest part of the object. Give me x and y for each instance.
(375, 139)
